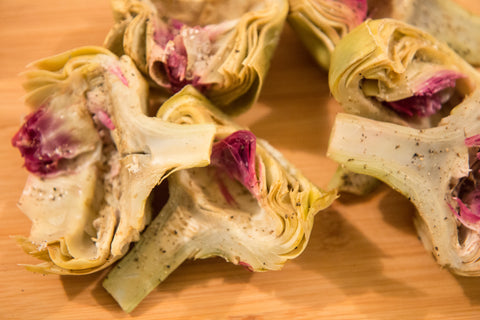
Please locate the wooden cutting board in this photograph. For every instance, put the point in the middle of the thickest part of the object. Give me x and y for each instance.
(364, 260)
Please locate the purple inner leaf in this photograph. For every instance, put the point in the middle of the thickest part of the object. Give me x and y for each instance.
(175, 65)
(105, 119)
(430, 97)
(235, 155)
(43, 143)
(469, 215)
(224, 190)
(359, 9)
(468, 191)
(118, 72)
(246, 265)
(473, 141)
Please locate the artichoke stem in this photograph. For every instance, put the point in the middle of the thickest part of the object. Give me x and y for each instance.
(165, 244)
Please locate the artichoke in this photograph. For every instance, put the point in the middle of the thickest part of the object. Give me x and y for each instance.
(390, 71)
(94, 156)
(222, 48)
(435, 168)
(446, 20)
(320, 24)
(249, 206)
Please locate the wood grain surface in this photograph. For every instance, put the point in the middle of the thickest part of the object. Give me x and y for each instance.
(364, 260)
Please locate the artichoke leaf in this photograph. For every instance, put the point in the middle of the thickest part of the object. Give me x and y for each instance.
(320, 24)
(94, 156)
(250, 206)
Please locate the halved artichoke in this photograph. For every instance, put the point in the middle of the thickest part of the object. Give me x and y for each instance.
(446, 20)
(94, 157)
(320, 24)
(223, 48)
(249, 206)
(435, 168)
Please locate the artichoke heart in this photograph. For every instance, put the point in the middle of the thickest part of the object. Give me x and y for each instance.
(94, 156)
(222, 48)
(320, 24)
(249, 206)
(435, 168)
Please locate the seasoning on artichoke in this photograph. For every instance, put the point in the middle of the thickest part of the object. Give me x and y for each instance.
(94, 157)
(446, 20)
(222, 48)
(249, 206)
(320, 24)
(436, 169)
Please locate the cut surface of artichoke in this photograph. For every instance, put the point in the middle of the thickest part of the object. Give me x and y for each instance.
(212, 211)
(428, 167)
(320, 24)
(223, 48)
(87, 195)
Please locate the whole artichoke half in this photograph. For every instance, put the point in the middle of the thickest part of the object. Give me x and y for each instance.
(436, 169)
(222, 48)
(94, 155)
(249, 206)
(320, 24)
